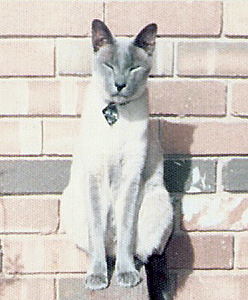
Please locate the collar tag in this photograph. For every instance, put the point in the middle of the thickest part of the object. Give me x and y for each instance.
(110, 113)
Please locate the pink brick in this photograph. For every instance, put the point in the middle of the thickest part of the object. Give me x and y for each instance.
(9, 137)
(242, 251)
(42, 254)
(26, 57)
(14, 97)
(195, 137)
(240, 99)
(213, 212)
(81, 88)
(25, 289)
(28, 214)
(212, 285)
(236, 18)
(60, 135)
(20, 136)
(212, 59)
(187, 97)
(200, 251)
(55, 97)
(44, 97)
(173, 17)
(33, 18)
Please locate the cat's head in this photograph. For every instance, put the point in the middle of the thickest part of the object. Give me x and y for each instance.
(122, 65)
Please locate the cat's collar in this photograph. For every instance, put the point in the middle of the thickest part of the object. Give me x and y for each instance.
(111, 113)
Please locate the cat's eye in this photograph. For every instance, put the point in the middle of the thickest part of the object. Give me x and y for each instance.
(109, 66)
(133, 68)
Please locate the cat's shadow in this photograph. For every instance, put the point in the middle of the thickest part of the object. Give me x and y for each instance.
(168, 273)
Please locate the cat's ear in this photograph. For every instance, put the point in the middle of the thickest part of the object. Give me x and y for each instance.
(146, 38)
(101, 35)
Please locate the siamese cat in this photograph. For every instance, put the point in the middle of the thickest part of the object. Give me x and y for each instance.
(116, 204)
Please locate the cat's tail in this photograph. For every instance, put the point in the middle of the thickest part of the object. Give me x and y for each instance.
(155, 223)
(158, 279)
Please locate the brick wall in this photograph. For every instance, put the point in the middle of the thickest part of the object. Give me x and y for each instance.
(199, 102)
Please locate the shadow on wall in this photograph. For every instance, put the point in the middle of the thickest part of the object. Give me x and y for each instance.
(179, 254)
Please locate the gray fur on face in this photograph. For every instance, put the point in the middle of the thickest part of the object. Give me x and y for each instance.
(123, 63)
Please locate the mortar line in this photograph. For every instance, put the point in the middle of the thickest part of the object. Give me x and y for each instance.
(104, 11)
(55, 59)
(175, 60)
(235, 250)
(229, 99)
(219, 179)
(56, 289)
(42, 136)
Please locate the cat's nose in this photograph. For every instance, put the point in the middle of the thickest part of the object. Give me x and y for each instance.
(120, 86)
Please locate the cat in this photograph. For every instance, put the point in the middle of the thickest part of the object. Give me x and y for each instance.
(115, 203)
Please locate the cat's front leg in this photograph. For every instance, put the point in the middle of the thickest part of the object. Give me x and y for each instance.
(126, 210)
(97, 270)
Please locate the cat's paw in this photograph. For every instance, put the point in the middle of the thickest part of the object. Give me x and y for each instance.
(96, 282)
(128, 279)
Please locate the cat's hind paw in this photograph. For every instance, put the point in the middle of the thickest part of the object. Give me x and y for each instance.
(96, 282)
(128, 279)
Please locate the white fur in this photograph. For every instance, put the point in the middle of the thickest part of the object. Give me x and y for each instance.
(100, 145)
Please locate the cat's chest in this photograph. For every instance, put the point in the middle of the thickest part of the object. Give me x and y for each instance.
(101, 137)
(115, 140)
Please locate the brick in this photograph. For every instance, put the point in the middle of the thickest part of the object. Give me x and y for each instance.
(212, 59)
(236, 19)
(200, 251)
(34, 176)
(235, 175)
(26, 57)
(56, 97)
(60, 135)
(13, 97)
(203, 138)
(239, 94)
(42, 254)
(242, 251)
(187, 98)
(213, 213)
(44, 97)
(25, 289)
(20, 137)
(175, 18)
(74, 56)
(74, 288)
(190, 175)
(70, 18)
(28, 214)
(72, 95)
(81, 87)
(213, 285)
(163, 58)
